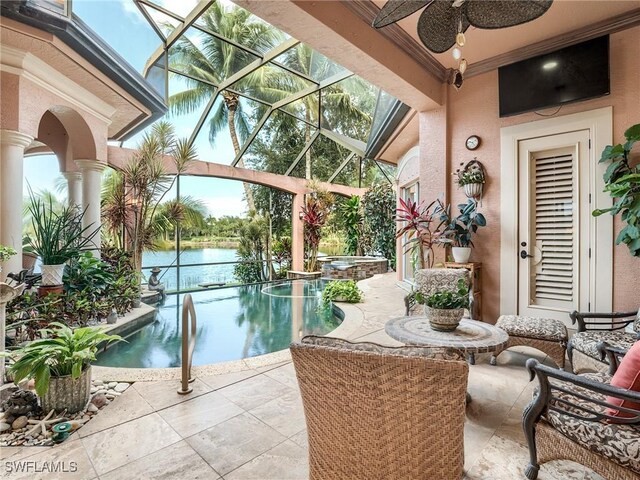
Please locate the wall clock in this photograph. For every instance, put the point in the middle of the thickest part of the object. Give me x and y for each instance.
(473, 142)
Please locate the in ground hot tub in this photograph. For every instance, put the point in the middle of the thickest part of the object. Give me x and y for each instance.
(352, 268)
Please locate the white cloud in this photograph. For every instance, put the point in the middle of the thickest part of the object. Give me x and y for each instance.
(221, 206)
(131, 10)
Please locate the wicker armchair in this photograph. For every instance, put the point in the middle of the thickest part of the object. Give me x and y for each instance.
(378, 412)
(594, 328)
(567, 419)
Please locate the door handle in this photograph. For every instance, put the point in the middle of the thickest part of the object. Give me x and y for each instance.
(524, 254)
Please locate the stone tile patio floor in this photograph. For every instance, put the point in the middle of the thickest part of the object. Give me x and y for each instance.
(250, 424)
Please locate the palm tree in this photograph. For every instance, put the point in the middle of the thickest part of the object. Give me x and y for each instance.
(133, 210)
(214, 61)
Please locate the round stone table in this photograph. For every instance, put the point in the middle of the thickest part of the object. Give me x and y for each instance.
(471, 336)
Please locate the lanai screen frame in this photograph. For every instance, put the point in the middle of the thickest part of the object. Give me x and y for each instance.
(160, 60)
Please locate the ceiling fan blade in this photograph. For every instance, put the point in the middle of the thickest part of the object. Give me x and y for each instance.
(438, 25)
(395, 10)
(504, 13)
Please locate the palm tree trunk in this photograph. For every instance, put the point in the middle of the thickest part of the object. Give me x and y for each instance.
(232, 104)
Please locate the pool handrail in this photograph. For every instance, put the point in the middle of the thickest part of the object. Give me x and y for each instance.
(188, 343)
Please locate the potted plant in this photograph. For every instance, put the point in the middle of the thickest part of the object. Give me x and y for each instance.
(57, 238)
(622, 181)
(5, 254)
(460, 229)
(445, 308)
(29, 258)
(341, 291)
(471, 178)
(60, 363)
(416, 222)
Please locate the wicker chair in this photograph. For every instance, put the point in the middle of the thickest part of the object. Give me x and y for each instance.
(567, 420)
(594, 328)
(377, 412)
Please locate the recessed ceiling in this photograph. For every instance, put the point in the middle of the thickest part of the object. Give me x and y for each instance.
(564, 16)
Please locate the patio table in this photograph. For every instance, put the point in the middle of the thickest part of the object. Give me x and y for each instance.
(470, 337)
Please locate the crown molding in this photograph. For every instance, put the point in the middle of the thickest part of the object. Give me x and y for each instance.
(367, 11)
(604, 27)
(27, 65)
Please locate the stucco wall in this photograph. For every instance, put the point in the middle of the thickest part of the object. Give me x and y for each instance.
(474, 110)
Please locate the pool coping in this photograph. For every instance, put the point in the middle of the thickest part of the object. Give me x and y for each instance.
(352, 321)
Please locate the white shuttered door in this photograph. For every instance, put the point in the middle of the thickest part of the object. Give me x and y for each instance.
(553, 230)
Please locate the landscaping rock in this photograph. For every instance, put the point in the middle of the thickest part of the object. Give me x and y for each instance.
(92, 408)
(99, 400)
(121, 387)
(4, 427)
(20, 402)
(98, 383)
(20, 422)
(113, 384)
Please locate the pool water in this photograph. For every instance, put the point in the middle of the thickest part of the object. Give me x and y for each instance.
(233, 323)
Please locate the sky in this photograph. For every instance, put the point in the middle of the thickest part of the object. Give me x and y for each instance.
(120, 23)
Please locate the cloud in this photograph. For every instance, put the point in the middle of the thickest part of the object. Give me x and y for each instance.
(221, 206)
(131, 10)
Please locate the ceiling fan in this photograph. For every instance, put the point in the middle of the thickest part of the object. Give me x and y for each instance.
(443, 22)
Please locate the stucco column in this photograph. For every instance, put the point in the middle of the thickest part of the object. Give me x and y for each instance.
(74, 188)
(12, 145)
(297, 234)
(91, 186)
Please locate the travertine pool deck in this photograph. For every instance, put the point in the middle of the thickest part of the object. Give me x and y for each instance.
(244, 420)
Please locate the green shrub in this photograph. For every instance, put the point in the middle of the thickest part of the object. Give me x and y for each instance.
(345, 290)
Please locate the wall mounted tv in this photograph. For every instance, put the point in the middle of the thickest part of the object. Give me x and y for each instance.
(573, 73)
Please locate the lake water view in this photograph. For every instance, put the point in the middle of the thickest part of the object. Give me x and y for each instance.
(190, 277)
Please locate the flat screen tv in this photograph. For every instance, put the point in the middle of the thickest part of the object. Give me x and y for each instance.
(573, 73)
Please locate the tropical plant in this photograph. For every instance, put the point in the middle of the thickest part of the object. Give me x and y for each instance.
(379, 204)
(281, 253)
(466, 176)
(341, 290)
(89, 274)
(352, 221)
(450, 299)
(61, 351)
(132, 203)
(460, 229)
(315, 213)
(254, 238)
(417, 222)
(622, 181)
(58, 237)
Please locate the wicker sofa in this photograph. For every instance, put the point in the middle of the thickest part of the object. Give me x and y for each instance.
(594, 328)
(377, 412)
(568, 420)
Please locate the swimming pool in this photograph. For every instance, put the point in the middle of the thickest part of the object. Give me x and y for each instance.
(233, 323)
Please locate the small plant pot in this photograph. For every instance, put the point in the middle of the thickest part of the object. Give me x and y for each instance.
(473, 190)
(29, 260)
(444, 320)
(67, 393)
(52, 274)
(461, 254)
(136, 303)
(44, 290)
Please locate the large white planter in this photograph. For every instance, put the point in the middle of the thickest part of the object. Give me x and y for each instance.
(461, 254)
(52, 274)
